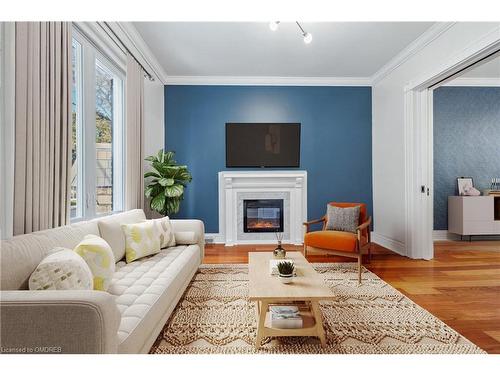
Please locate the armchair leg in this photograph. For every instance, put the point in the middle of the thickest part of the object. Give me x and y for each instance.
(305, 250)
(360, 256)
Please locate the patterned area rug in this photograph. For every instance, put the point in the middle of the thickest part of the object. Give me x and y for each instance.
(215, 316)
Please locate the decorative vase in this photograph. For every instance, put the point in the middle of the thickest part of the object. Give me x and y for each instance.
(279, 252)
(286, 279)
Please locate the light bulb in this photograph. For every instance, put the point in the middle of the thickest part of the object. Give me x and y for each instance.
(274, 25)
(308, 38)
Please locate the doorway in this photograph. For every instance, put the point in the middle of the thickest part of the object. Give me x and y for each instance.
(419, 179)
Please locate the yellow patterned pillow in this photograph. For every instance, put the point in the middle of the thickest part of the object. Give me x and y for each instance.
(98, 255)
(141, 239)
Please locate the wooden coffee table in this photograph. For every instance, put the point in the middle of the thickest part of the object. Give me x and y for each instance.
(307, 288)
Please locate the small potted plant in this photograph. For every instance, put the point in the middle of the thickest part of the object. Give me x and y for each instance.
(285, 270)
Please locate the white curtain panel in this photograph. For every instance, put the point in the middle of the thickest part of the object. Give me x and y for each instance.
(42, 126)
(134, 176)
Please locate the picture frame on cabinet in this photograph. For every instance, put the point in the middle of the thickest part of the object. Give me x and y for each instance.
(464, 184)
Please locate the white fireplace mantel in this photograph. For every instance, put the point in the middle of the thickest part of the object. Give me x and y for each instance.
(233, 185)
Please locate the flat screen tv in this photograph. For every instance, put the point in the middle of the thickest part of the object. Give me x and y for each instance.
(262, 145)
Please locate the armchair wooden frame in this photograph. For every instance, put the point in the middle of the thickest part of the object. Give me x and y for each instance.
(360, 246)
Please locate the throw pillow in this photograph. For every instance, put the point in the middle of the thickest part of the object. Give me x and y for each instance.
(100, 258)
(111, 230)
(167, 238)
(141, 239)
(342, 219)
(63, 269)
(186, 238)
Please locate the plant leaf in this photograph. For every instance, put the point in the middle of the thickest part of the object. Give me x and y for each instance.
(174, 191)
(151, 174)
(158, 203)
(166, 181)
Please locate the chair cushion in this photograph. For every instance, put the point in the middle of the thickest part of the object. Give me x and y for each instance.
(331, 240)
(345, 219)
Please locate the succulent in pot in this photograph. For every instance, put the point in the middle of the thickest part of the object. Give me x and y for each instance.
(285, 270)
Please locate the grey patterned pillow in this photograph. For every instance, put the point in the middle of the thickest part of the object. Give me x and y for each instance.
(342, 219)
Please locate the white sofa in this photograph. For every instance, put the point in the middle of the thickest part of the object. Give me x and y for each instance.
(125, 319)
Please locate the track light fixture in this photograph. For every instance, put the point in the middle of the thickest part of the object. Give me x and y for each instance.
(307, 36)
(274, 25)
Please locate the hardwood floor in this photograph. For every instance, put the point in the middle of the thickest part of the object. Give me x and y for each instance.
(461, 285)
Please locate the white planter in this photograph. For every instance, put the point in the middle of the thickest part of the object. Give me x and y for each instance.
(286, 279)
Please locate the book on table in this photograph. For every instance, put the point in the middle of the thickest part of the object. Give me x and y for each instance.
(285, 317)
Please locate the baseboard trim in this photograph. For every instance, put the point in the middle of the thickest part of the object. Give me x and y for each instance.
(444, 235)
(214, 238)
(389, 243)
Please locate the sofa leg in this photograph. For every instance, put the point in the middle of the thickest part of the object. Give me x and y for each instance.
(359, 268)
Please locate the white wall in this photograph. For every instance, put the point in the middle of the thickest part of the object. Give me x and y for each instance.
(388, 131)
(154, 121)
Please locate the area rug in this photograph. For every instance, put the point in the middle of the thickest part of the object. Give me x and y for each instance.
(215, 316)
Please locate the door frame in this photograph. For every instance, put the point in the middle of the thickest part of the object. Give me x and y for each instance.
(418, 133)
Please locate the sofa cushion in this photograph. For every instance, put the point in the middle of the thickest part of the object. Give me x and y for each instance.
(111, 230)
(98, 255)
(20, 255)
(186, 238)
(332, 240)
(148, 289)
(62, 270)
(141, 240)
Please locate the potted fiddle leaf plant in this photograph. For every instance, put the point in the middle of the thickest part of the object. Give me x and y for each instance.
(168, 181)
(285, 271)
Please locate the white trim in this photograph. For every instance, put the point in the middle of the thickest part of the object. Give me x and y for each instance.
(129, 35)
(444, 235)
(214, 238)
(268, 81)
(474, 52)
(474, 82)
(418, 44)
(103, 43)
(389, 243)
(418, 128)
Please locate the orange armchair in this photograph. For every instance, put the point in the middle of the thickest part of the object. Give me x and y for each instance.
(335, 242)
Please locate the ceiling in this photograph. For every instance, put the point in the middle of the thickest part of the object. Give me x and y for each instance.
(251, 49)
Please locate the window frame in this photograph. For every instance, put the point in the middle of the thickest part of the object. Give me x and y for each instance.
(91, 56)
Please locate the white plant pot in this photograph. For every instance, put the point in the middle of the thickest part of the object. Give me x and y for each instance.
(286, 279)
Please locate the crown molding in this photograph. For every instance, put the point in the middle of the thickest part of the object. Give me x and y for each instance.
(417, 45)
(134, 42)
(268, 81)
(474, 81)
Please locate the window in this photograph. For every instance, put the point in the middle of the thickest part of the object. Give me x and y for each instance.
(76, 126)
(97, 133)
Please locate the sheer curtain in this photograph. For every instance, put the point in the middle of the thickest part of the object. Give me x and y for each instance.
(42, 126)
(134, 176)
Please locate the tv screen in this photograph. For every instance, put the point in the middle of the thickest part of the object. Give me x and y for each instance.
(256, 145)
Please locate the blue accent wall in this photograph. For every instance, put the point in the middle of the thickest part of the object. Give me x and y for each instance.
(336, 139)
(466, 142)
